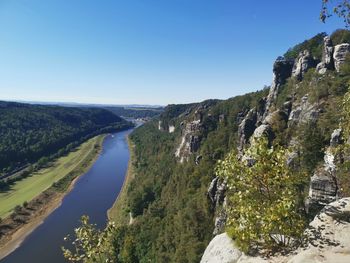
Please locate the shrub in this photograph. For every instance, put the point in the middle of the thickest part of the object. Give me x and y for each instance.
(264, 200)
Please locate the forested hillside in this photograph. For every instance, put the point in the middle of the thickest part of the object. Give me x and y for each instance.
(180, 198)
(30, 132)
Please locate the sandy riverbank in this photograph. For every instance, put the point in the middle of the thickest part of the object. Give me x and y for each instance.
(39, 208)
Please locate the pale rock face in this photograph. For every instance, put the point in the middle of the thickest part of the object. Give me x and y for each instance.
(340, 53)
(190, 140)
(304, 112)
(171, 128)
(263, 130)
(282, 70)
(323, 185)
(221, 250)
(303, 62)
(160, 125)
(327, 62)
(220, 222)
(212, 189)
(329, 235)
(323, 188)
(336, 137)
(246, 128)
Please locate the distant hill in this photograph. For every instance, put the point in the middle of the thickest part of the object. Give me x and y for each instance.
(29, 132)
(128, 111)
(135, 112)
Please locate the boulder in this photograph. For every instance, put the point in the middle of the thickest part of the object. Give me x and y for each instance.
(340, 53)
(303, 62)
(221, 249)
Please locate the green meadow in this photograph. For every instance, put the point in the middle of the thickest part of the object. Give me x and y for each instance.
(30, 187)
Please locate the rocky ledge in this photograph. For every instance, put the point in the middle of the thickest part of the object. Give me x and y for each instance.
(328, 238)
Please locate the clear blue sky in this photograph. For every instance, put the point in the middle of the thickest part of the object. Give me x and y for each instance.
(146, 51)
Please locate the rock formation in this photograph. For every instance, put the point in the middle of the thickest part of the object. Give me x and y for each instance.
(246, 128)
(303, 62)
(303, 112)
(340, 53)
(323, 184)
(282, 70)
(327, 62)
(190, 140)
(221, 249)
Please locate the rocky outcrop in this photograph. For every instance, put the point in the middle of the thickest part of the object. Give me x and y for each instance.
(323, 189)
(198, 159)
(221, 250)
(263, 130)
(340, 53)
(160, 125)
(246, 128)
(303, 112)
(303, 62)
(216, 191)
(282, 70)
(323, 185)
(336, 138)
(164, 127)
(328, 240)
(212, 189)
(220, 222)
(190, 140)
(327, 62)
(171, 128)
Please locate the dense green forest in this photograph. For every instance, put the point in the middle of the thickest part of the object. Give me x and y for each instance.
(31, 132)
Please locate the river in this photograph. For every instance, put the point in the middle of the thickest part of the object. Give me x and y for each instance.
(93, 194)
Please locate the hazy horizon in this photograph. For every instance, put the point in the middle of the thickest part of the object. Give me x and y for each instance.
(154, 53)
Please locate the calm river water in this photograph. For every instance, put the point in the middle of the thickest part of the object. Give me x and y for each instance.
(93, 194)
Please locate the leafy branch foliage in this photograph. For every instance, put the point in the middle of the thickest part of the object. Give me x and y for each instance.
(341, 8)
(91, 244)
(264, 200)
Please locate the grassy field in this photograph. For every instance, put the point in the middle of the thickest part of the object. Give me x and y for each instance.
(32, 186)
(117, 212)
